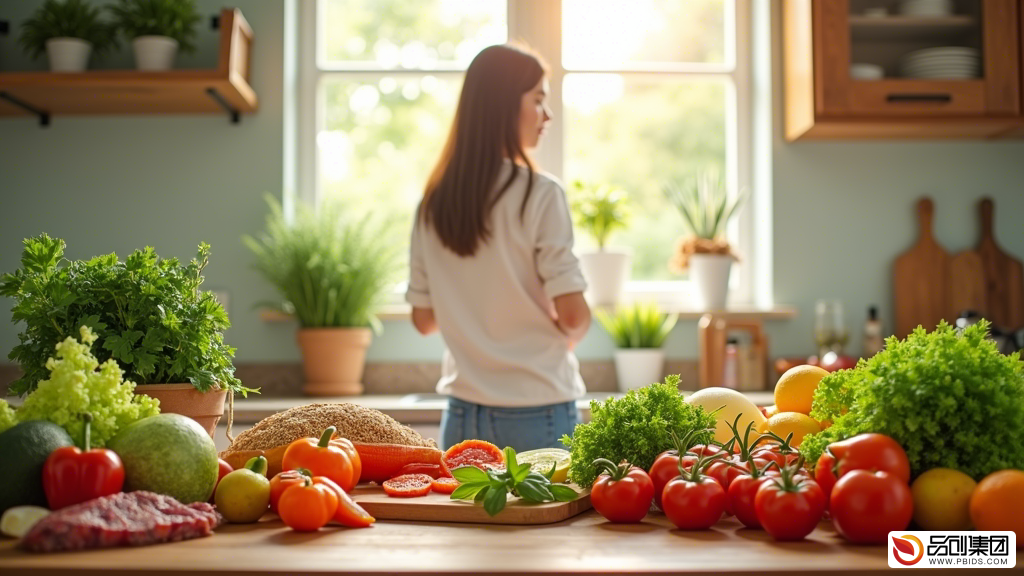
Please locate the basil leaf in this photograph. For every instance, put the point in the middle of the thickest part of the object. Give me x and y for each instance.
(511, 464)
(494, 501)
(469, 475)
(563, 493)
(481, 494)
(467, 491)
(550, 473)
(535, 491)
(522, 473)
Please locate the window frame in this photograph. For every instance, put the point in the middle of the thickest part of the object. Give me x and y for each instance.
(539, 25)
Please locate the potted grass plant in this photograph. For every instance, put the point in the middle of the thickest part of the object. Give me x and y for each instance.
(332, 273)
(148, 313)
(158, 29)
(69, 31)
(600, 210)
(639, 331)
(706, 210)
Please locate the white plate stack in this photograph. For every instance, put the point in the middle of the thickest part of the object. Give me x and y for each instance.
(944, 62)
(926, 7)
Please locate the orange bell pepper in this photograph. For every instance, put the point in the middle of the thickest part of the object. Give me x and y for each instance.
(336, 459)
(307, 507)
(348, 513)
(283, 481)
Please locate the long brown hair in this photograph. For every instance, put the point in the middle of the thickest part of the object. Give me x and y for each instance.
(459, 195)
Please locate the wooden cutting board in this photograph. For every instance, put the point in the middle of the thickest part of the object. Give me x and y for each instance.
(920, 276)
(441, 508)
(1004, 275)
(967, 288)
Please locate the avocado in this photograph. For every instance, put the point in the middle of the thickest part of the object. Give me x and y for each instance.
(23, 451)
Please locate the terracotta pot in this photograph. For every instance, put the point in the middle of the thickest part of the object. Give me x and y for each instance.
(203, 407)
(333, 359)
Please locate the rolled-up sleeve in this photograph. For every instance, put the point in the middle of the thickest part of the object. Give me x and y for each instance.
(558, 267)
(418, 292)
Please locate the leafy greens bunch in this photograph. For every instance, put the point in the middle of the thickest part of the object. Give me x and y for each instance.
(148, 314)
(175, 19)
(492, 488)
(635, 428)
(950, 399)
(66, 19)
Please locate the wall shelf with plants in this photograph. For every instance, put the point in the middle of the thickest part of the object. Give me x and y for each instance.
(153, 88)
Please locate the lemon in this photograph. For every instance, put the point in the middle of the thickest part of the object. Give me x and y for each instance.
(795, 389)
(942, 499)
(726, 404)
(543, 458)
(242, 496)
(770, 411)
(795, 423)
(17, 521)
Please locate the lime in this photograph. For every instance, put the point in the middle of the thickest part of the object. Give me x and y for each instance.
(543, 458)
(242, 496)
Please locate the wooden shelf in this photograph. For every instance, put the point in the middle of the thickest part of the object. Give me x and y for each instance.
(910, 28)
(224, 90)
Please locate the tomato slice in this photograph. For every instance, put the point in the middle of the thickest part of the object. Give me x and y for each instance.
(483, 455)
(408, 485)
(445, 485)
(432, 470)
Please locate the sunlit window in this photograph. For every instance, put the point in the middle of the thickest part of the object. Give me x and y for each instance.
(648, 96)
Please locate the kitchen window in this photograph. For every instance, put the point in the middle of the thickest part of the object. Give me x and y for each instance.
(644, 93)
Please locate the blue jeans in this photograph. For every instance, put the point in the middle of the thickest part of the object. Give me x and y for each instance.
(521, 428)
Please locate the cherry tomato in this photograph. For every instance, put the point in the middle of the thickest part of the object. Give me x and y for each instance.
(693, 504)
(741, 494)
(665, 468)
(789, 508)
(308, 506)
(874, 452)
(283, 481)
(866, 506)
(622, 494)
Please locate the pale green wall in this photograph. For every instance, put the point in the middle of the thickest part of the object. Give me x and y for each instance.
(842, 211)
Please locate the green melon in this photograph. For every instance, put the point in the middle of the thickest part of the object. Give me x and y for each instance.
(168, 454)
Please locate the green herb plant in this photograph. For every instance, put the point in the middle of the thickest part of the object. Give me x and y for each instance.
(175, 19)
(148, 313)
(599, 210)
(78, 385)
(639, 325)
(66, 19)
(492, 488)
(704, 205)
(331, 272)
(950, 399)
(635, 428)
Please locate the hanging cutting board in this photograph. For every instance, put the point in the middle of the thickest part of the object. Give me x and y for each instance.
(920, 276)
(1004, 275)
(967, 287)
(441, 508)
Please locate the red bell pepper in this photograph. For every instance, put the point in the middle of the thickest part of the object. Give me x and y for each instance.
(72, 476)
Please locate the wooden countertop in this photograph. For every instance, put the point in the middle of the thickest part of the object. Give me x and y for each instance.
(585, 544)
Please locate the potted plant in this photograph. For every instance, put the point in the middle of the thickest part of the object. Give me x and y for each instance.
(147, 313)
(68, 31)
(332, 274)
(599, 211)
(157, 29)
(639, 330)
(706, 210)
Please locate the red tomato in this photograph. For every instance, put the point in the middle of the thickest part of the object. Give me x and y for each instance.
(623, 494)
(866, 506)
(223, 469)
(789, 509)
(741, 493)
(825, 475)
(875, 452)
(665, 468)
(773, 454)
(693, 505)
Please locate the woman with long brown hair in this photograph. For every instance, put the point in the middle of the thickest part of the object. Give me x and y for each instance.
(492, 267)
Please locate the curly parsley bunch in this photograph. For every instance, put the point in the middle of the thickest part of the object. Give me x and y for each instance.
(950, 399)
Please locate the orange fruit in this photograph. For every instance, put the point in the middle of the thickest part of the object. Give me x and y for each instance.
(795, 389)
(998, 503)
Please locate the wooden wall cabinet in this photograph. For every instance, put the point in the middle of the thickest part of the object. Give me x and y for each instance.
(822, 38)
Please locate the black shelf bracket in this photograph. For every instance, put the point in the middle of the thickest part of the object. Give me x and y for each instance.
(214, 22)
(233, 113)
(44, 116)
(5, 27)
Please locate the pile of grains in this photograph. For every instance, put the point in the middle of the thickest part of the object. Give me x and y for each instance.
(357, 423)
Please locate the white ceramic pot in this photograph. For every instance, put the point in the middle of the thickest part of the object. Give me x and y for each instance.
(68, 54)
(638, 367)
(606, 272)
(710, 274)
(154, 52)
